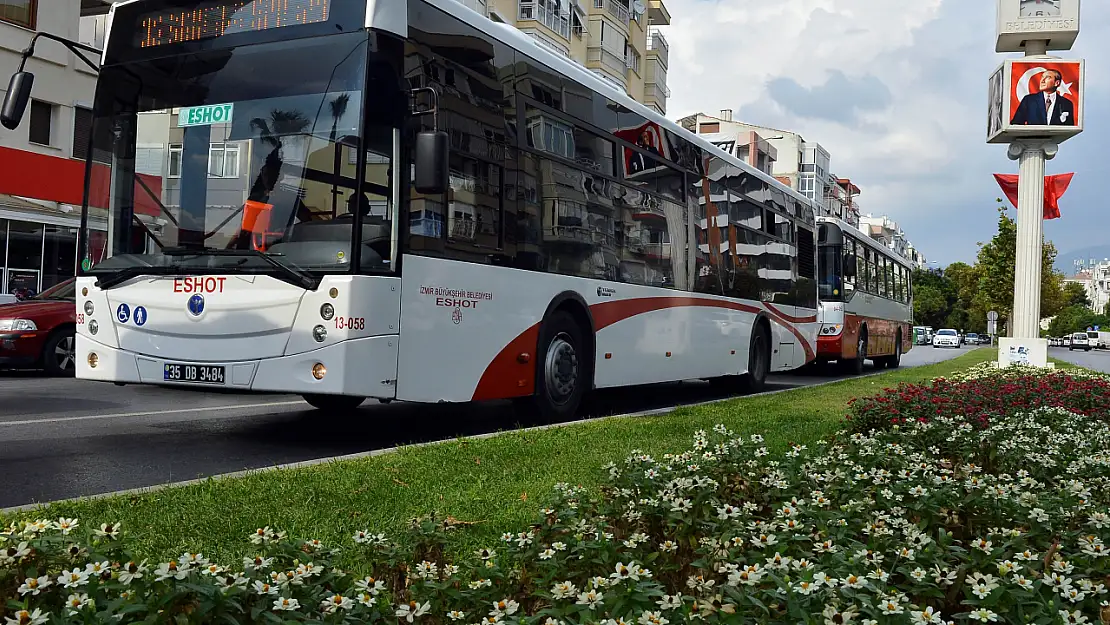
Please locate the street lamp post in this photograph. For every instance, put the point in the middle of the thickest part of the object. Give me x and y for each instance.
(1035, 103)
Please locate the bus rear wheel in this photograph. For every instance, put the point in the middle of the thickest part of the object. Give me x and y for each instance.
(561, 368)
(333, 403)
(759, 361)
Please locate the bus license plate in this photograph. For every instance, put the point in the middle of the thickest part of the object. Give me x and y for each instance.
(197, 374)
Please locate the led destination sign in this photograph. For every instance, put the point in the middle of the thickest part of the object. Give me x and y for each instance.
(216, 18)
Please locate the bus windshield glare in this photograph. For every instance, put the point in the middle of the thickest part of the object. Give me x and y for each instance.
(239, 160)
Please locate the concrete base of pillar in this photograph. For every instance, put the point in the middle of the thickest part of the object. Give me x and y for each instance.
(1028, 352)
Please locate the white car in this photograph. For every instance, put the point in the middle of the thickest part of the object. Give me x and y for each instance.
(1079, 340)
(946, 338)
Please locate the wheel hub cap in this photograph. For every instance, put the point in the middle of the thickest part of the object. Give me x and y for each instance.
(561, 368)
(65, 353)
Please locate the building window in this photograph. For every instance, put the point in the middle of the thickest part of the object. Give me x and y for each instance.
(223, 160)
(175, 160)
(82, 131)
(42, 114)
(19, 12)
(709, 127)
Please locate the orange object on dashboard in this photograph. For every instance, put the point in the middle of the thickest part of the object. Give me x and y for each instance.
(256, 221)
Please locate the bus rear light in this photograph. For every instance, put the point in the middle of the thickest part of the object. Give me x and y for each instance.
(319, 371)
(93, 360)
(832, 329)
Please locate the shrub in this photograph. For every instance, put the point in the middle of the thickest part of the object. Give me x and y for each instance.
(981, 394)
(1010, 525)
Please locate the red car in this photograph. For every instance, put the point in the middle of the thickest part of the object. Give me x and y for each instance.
(39, 332)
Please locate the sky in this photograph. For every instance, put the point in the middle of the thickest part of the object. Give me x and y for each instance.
(896, 91)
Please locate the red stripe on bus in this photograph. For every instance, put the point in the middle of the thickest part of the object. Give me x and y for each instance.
(506, 376)
(791, 319)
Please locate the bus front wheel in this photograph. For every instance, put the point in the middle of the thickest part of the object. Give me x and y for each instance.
(333, 403)
(561, 368)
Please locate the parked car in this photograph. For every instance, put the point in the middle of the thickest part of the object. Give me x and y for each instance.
(38, 333)
(946, 338)
(971, 339)
(1079, 340)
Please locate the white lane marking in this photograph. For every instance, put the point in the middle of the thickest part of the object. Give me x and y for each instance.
(124, 415)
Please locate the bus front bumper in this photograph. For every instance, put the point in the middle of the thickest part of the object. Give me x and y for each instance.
(364, 367)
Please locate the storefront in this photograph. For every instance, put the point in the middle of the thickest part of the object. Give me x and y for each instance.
(38, 245)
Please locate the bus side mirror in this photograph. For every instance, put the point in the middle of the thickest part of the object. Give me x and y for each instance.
(16, 99)
(431, 176)
(849, 265)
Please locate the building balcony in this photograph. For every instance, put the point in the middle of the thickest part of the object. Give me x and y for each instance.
(558, 22)
(658, 47)
(613, 64)
(615, 9)
(656, 95)
(658, 13)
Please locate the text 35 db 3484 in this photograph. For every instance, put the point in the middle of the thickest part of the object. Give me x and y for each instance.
(198, 374)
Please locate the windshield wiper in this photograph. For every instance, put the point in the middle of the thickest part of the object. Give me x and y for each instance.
(120, 276)
(289, 273)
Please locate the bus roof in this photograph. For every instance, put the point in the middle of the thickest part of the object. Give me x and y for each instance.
(859, 235)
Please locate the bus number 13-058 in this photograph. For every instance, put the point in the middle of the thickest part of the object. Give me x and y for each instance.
(350, 323)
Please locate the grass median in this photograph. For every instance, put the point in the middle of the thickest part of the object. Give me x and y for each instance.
(494, 484)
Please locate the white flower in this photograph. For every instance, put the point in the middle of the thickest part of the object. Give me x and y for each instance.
(335, 603)
(547, 554)
(505, 607)
(34, 585)
(983, 614)
(131, 571)
(77, 602)
(11, 555)
(590, 598)
(369, 585)
(24, 617)
(257, 562)
(194, 560)
(563, 590)
(456, 615)
(168, 570)
(670, 602)
(286, 604)
(652, 618)
(73, 579)
(66, 525)
(262, 588)
(928, 616)
(412, 610)
(1073, 617)
(427, 570)
(107, 530)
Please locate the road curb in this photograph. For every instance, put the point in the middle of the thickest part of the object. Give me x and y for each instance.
(389, 450)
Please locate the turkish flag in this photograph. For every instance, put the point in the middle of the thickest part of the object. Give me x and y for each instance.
(1054, 188)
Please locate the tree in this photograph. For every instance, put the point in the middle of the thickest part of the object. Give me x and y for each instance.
(996, 261)
(1076, 319)
(1075, 294)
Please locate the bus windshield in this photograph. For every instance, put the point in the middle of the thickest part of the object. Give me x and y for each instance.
(239, 160)
(829, 270)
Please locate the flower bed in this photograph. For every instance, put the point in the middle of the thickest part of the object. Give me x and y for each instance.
(1009, 524)
(984, 393)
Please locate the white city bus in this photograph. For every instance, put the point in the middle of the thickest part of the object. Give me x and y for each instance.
(866, 295)
(407, 201)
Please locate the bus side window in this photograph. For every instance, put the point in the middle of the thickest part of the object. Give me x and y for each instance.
(850, 252)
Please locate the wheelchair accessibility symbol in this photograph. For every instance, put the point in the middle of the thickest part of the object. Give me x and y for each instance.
(123, 313)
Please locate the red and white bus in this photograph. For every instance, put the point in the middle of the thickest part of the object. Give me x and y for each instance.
(407, 201)
(866, 295)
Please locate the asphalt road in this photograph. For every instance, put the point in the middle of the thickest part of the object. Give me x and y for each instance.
(1096, 359)
(63, 438)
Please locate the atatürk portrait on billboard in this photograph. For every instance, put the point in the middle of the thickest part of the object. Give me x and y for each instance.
(1049, 104)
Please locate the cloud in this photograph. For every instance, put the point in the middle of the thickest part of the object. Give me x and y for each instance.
(896, 91)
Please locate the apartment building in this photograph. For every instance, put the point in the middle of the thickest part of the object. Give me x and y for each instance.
(1095, 279)
(886, 231)
(43, 159)
(619, 40)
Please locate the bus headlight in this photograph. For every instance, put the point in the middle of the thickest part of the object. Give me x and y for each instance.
(319, 371)
(327, 311)
(89, 309)
(94, 327)
(831, 329)
(319, 333)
